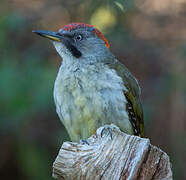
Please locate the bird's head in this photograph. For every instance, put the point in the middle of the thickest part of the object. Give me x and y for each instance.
(78, 40)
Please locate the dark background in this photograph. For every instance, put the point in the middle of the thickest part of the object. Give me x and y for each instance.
(148, 36)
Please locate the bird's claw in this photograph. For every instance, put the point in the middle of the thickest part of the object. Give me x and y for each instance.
(107, 129)
(84, 141)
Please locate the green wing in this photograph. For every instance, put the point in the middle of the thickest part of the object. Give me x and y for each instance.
(132, 95)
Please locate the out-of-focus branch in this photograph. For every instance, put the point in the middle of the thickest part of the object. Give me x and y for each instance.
(122, 157)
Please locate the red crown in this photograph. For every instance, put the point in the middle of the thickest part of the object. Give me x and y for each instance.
(73, 26)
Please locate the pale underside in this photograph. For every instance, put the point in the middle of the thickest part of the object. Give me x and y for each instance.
(88, 97)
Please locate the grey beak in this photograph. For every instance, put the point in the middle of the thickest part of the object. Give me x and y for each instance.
(48, 34)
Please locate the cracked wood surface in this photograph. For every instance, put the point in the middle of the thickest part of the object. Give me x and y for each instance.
(122, 157)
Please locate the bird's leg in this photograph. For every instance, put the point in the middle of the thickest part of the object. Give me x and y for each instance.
(108, 130)
(84, 141)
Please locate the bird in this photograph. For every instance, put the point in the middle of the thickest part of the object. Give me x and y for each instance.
(93, 88)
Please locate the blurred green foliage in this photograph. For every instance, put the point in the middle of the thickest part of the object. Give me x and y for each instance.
(147, 40)
(26, 80)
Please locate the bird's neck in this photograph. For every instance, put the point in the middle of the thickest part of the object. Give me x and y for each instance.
(86, 60)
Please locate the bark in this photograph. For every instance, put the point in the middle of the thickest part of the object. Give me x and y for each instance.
(122, 157)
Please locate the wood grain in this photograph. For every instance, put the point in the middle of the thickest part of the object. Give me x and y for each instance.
(122, 157)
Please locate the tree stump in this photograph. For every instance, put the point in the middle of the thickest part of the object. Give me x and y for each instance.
(121, 157)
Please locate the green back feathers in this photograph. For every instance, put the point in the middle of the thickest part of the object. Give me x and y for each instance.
(132, 95)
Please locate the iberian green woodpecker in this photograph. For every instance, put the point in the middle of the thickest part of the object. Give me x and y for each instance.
(92, 87)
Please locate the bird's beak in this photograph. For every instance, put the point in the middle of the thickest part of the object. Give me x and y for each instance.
(48, 34)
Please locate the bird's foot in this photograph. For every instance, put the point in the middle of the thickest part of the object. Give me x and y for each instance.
(84, 141)
(107, 130)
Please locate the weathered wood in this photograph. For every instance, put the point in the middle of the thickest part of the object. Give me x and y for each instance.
(122, 157)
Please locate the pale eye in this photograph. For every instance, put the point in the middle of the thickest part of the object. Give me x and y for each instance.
(78, 37)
